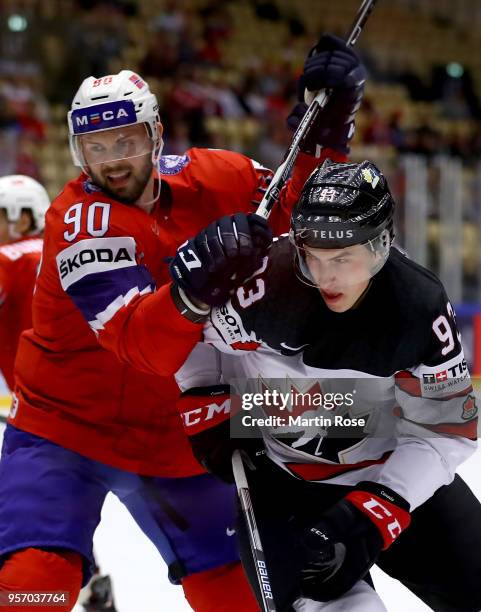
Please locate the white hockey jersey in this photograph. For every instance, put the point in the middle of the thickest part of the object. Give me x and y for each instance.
(381, 392)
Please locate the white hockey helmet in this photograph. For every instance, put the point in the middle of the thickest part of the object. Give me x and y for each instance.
(112, 102)
(19, 192)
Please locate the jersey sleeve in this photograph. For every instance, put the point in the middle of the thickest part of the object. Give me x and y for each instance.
(436, 406)
(116, 293)
(5, 283)
(231, 328)
(225, 332)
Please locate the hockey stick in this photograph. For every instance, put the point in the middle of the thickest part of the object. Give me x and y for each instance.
(254, 539)
(279, 179)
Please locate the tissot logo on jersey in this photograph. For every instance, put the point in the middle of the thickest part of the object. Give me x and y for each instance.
(229, 325)
(93, 256)
(458, 370)
(105, 116)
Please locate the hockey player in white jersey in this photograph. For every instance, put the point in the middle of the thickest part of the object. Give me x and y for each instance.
(338, 313)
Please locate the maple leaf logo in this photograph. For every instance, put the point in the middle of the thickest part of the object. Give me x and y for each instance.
(301, 401)
(469, 408)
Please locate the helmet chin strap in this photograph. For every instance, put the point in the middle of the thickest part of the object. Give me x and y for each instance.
(146, 205)
(156, 153)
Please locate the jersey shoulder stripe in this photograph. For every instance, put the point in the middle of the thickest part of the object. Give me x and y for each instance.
(16, 250)
(101, 275)
(96, 293)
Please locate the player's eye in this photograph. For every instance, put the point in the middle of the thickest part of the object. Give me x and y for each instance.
(95, 148)
(126, 145)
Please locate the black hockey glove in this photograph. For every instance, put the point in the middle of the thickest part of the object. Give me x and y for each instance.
(210, 266)
(340, 549)
(206, 416)
(331, 64)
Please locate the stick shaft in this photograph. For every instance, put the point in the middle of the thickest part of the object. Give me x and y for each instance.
(283, 172)
(253, 533)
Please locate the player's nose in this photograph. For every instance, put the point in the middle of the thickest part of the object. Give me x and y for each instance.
(113, 165)
(326, 279)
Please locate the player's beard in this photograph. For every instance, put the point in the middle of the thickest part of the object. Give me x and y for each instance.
(137, 179)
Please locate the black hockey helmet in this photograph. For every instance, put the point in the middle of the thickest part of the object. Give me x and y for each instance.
(341, 205)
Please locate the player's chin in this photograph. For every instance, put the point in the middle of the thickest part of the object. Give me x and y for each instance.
(338, 302)
(333, 298)
(128, 193)
(339, 307)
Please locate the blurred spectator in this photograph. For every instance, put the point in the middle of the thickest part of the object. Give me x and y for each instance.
(218, 82)
(217, 26)
(177, 139)
(162, 58)
(425, 140)
(171, 18)
(25, 162)
(100, 34)
(273, 144)
(376, 130)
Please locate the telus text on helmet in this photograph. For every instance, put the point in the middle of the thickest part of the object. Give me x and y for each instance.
(329, 234)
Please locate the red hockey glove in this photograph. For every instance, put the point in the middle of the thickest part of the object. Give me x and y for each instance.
(340, 549)
(206, 416)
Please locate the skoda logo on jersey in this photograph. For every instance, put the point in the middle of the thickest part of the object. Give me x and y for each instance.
(93, 256)
(172, 164)
(103, 116)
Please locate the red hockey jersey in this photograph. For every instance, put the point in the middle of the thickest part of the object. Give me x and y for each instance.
(18, 268)
(96, 372)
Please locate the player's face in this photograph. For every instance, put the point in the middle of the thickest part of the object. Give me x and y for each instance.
(15, 230)
(342, 275)
(4, 227)
(119, 161)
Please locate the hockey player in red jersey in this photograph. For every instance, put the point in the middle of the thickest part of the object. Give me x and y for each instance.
(23, 203)
(94, 406)
(358, 463)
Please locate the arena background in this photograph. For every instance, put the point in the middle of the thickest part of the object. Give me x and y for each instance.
(225, 74)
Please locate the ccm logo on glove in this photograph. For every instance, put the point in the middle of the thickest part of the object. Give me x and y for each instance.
(388, 517)
(201, 412)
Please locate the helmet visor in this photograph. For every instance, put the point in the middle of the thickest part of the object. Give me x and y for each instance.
(112, 145)
(334, 270)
